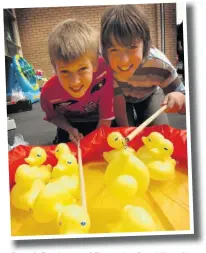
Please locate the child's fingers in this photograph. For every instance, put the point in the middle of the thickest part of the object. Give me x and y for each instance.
(81, 136)
(73, 139)
(165, 101)
(171, 104)
(174, 102)
(173, 107)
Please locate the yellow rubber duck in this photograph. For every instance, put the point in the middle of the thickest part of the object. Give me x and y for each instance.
(66, 165)
(149, 151)
(22, 198)
(25, 175)
(61, 191)
(73, 219)
(164, 167)
(117, 141)
(135, 219)
(153, 139)
(156, 154)
(166, 149)
(37, 156)
(128, 164)
(61, 148)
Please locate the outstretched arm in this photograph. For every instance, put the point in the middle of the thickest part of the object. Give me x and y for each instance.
(61, 122)
(120, 111)
(175, 102)
(174, 90)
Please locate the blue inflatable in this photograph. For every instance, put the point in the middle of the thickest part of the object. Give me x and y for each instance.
(22, 77)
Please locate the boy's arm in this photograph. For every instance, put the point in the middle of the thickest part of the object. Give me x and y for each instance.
(175, 102)
(175, 93)
(120, 111)
(61, 122)
(58, 119)
(106, 102)
(120, 106)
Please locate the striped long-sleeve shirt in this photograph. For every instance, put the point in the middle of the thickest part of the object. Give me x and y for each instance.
(155, 72)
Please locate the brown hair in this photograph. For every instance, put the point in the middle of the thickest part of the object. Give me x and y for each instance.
(125, 23)
(71, 39)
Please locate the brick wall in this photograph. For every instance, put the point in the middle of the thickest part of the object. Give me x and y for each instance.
(35, 24)
(170, 32)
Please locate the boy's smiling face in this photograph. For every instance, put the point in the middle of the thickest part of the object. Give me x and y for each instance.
(75, 76)
(125, 60)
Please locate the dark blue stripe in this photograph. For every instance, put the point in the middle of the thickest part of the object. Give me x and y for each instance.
(124, 85)
(152, 71)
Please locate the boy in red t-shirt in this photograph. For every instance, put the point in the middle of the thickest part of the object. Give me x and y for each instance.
(79, 98)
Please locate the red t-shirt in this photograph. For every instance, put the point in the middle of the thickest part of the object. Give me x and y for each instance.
(96, 104)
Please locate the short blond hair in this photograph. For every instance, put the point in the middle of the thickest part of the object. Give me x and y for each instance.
(71, 39)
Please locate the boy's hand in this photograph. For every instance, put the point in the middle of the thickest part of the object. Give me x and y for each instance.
(74, 135)
(175, 102)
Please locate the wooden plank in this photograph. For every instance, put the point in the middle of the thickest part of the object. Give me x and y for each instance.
(172, 198)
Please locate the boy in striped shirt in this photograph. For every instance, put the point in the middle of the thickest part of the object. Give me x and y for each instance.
(144, 77)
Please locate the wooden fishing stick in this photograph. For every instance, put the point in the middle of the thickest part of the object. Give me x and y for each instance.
(144, 124)
(81, 177)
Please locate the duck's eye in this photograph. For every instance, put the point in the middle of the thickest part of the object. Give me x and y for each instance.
(60, 223)
(83, 223)
(69, 162)
(116, 139)
(149, 139)
(57, 150)
(38, 155)
(165, 148)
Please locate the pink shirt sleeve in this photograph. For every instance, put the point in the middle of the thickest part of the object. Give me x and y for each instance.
(47, 107)
(106, 101)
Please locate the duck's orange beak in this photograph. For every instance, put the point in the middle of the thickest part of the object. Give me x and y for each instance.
(30, 160)
(144, 140)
